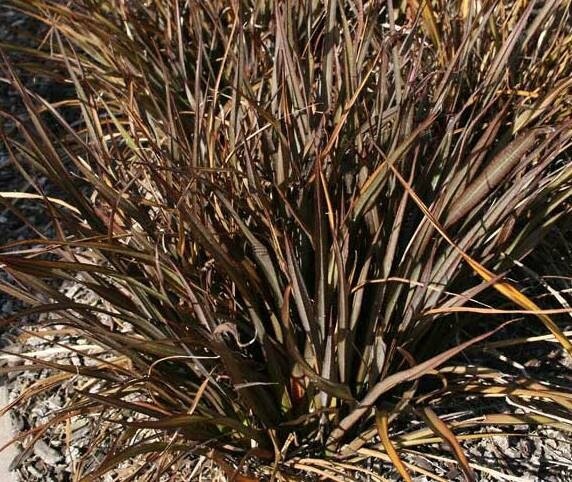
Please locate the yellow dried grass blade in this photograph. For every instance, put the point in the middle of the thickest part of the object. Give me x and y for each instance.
(441, 429)
(382, 428)
(518, 298)
(430, 24)
(502, 287)
(26, 195)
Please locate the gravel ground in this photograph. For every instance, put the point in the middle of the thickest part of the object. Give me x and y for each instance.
(14, 29)
(6, 434)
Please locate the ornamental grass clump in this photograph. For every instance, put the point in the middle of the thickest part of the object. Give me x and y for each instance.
(306, 221)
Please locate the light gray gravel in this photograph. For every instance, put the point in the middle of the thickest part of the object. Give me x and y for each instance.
(6, 433)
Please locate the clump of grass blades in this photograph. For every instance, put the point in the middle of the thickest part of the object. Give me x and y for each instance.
(303, 211)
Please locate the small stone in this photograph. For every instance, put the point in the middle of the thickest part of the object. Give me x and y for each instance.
(33, 471)
(46, 453)
(8, 307)
(18, 423)
(502, 442)
(76, 360)
(453, 473)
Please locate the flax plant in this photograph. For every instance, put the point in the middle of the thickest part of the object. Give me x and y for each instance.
(305, 220)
